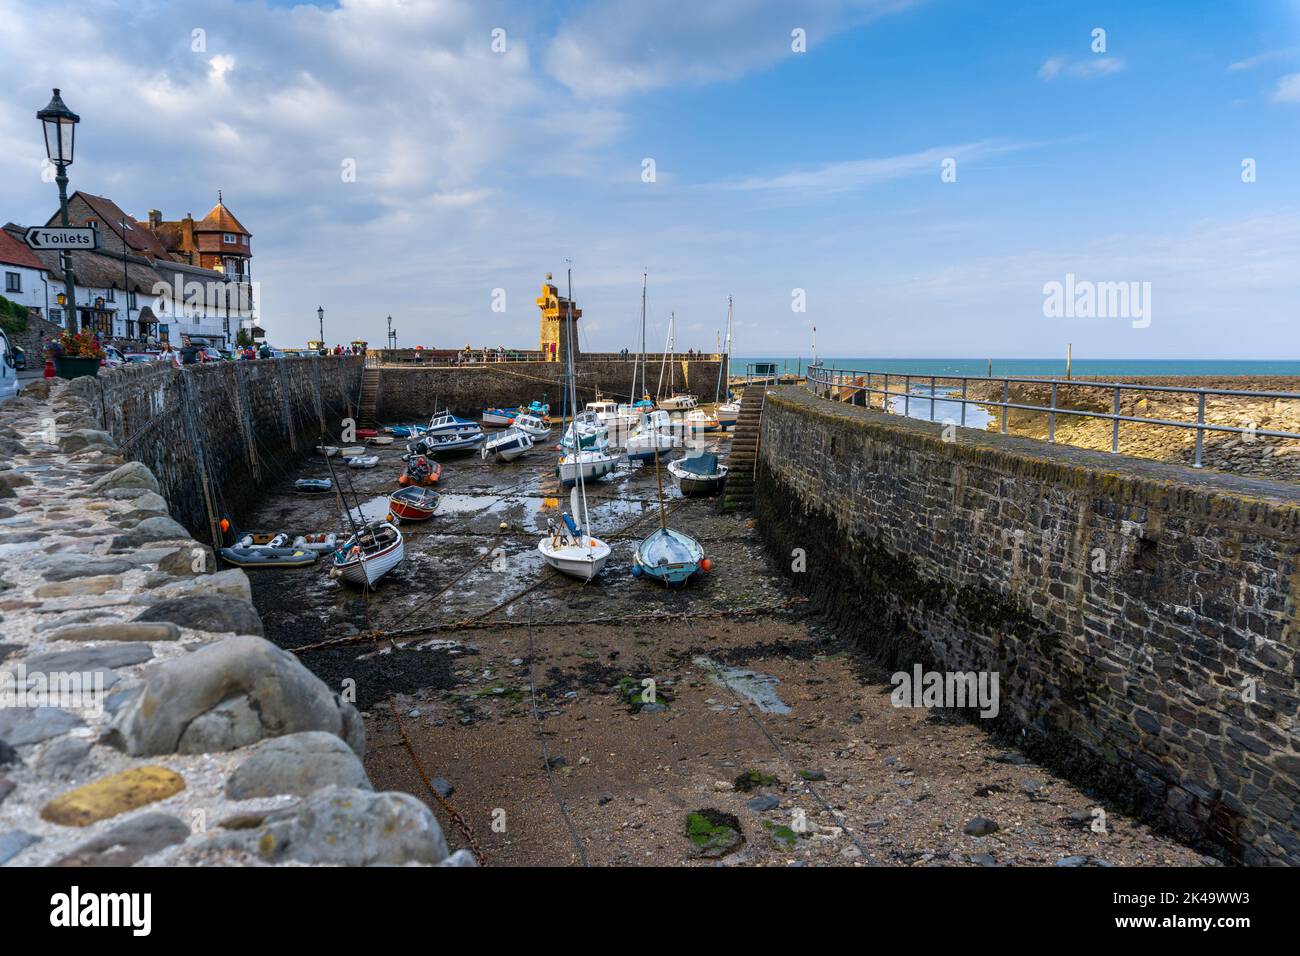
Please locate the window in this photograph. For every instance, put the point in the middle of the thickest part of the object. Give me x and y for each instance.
(13, 282)
(130, 300)
(230, 239)
(110, 294)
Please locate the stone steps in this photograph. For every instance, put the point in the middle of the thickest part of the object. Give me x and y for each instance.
(369, 398)
(738, 493)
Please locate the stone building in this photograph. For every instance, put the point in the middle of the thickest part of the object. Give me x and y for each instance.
(555, 309)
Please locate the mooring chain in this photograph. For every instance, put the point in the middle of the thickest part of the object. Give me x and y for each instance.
(807, 785)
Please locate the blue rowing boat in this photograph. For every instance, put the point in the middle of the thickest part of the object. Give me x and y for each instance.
(669, 557)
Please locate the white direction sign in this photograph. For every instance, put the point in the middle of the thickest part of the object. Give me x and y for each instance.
(60, 238)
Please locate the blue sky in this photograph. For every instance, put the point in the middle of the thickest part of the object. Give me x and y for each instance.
(775, 170)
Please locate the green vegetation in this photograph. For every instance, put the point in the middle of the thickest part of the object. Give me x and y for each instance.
(13, 317)
(752, 779)
(712, 832)
(782, 834)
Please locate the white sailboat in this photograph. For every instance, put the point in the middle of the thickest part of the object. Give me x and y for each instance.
(729, 411)
(569, 546)
(676, 401)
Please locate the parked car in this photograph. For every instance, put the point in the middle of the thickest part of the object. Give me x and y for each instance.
(20, 358)
(8, 372)
(138, 358)
(207, 353)
(112, 357)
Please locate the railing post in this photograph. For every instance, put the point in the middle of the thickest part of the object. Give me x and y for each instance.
(963, 401)
(1200, 429)
(884, 401)
(931, 398)
(1006, 398)
(907, 396)
(868, 401)
(1051, 417)
(1114, 434)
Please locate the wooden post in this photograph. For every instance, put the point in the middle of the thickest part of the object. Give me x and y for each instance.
(1069, 350)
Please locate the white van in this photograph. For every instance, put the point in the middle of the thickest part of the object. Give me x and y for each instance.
(8, 374)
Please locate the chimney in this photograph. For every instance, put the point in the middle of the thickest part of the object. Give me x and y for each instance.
(155, 219)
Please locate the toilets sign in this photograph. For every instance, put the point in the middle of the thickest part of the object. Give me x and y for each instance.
(61, 238)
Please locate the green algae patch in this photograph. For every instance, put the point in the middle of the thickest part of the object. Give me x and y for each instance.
(713, 833)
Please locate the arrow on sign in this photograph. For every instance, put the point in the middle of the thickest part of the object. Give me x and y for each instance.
(60, 238)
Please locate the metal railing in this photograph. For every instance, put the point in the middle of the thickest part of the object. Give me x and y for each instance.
(853, 382)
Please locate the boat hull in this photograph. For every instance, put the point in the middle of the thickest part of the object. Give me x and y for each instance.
(413, 507)
(262, 557)
(368, 571)
(698, 486)
(577, 561)
(591, 468)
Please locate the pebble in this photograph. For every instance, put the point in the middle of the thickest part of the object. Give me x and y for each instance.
(979, 826)
(129, 842)
(113, 795)
(763, 803)
(31, 725)
(14, 842)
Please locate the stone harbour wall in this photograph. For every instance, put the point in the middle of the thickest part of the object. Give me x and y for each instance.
(1141, 616)
(243, 421)
(178, 735)
(413, 392)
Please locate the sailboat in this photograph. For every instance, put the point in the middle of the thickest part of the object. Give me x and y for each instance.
(373, 549)
(729, 411)
(569, 546)
(677, 401)
(667, 556)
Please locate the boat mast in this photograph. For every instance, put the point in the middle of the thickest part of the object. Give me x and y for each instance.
(573, 396)
(641, 355)
(717, 391)
(668, 344)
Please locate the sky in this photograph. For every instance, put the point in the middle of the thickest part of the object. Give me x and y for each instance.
(909, 177)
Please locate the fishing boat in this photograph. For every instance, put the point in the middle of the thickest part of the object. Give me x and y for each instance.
(533, 425)
(268, 557)
(413, 504)
(654, 433)
(370, 553)
(540, 409)
(447, 443)
(698, 420)
(699, 475)
(568, 546)
(618, 419)
(589, 430)
(679, 402)
(445, 423)
(498, 417)
(313, 485)
(586, 465)
(362, 461)
(508, 445)
(419, 471)
(728, 414)
(406, 431)
(319, 542)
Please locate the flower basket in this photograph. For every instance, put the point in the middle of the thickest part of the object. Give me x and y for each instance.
(75, 366)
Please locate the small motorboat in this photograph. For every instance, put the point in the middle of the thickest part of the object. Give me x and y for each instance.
(351, 451)
(329, 451)
(446, 444)
(653, 433)
(367, 432)
(698, 420)
(267, 557)
(413, 504)
(616, 418)
(539, 409)
(262, 539)
(591, 433)
(406, 431)
(363, 461)
(534, 425)
(314, 485)
(508, 445)
(669, 557)
(498, 417)
(728, 415)
(699, 475)
(567, 549)
(679, 403)
(445, 423)
(591, 462)
(373, 551)
(319, 542)
(419, 471)
(380, 440)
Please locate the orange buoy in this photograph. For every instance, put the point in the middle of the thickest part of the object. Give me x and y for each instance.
(225, 525)
(706, 565)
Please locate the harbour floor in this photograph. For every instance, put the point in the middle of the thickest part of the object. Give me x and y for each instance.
(472, 660)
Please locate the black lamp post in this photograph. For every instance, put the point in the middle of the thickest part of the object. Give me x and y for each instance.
(392, 336)
(320, 317)
(60, 125)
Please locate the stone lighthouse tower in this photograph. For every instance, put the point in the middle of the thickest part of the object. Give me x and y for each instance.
(555, 309)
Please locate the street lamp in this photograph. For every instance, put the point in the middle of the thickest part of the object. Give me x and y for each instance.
(392, 336)
(320, 317)
(60, 126)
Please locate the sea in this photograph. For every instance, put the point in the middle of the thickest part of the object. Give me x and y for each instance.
(1079, 368)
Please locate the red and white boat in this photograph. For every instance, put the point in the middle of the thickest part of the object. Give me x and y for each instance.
(413, 504)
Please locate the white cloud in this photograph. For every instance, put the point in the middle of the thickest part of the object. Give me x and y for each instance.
(1083, 69)
(1260, 59)
(1288, 89)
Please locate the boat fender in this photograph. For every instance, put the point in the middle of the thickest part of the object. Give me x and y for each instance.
(636, 571)
(568, 521)
(706, 565)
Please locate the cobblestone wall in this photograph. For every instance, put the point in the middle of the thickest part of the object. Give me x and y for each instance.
(1141, 615)
(244, 420)
(411, 393)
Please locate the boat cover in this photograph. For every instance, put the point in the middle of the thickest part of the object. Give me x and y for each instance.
(704, 464)
(666, 546)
